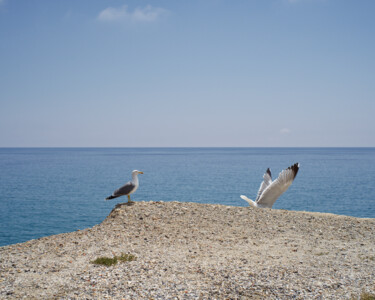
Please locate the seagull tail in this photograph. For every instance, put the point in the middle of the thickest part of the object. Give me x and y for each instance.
(251, 202)
(110, 197)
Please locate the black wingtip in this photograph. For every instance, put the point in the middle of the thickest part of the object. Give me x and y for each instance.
(110, 197)
(295, 169)
(269, 172)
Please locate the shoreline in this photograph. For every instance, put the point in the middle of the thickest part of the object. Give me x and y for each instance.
(188, 250)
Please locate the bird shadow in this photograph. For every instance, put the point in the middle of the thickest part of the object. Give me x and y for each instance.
(118, 205)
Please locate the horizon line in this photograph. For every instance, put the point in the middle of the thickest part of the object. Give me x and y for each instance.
(165, 147)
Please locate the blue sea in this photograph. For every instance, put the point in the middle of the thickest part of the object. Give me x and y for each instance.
(46, 191)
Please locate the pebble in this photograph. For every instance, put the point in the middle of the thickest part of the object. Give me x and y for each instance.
(198, 251)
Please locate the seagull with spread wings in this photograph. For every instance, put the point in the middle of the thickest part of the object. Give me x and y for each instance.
(270, 190)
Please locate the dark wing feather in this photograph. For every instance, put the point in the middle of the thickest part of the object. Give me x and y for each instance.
(295, 169)
(124, 190)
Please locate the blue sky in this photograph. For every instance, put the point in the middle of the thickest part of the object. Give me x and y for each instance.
(270, 73)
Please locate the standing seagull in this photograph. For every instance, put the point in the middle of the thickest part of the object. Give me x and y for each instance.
(270, 190)
(128, 188)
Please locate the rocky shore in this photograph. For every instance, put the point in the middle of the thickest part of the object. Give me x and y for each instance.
(198, 251)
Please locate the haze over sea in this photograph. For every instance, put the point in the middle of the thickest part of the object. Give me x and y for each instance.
(46, 191)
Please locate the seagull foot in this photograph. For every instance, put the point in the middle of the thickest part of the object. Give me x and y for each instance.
(130, 202)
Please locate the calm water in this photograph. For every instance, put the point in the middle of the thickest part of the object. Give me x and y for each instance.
(48, 191)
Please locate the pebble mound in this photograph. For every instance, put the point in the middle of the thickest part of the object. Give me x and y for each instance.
(198, 251)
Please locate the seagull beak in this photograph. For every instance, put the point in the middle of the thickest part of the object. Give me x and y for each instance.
(140, 172)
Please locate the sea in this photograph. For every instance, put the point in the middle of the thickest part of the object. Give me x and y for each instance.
(45, 191)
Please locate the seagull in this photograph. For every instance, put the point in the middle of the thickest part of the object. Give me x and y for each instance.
(270, 190)
(128, 188)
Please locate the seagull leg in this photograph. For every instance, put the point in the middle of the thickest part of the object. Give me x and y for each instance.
(129, 200)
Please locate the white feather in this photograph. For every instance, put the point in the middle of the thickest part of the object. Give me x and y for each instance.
(270, 190)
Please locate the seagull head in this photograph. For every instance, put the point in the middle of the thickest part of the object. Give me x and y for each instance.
(136, 172)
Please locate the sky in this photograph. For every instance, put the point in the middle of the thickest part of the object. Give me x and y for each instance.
(208, 73)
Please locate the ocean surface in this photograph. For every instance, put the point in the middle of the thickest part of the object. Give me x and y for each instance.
(46, 191)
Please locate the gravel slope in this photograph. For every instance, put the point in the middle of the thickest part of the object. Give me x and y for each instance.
(198, 251)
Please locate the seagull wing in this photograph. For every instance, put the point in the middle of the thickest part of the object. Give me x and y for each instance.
(124, 190)
(267, 180)
(278, 187)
